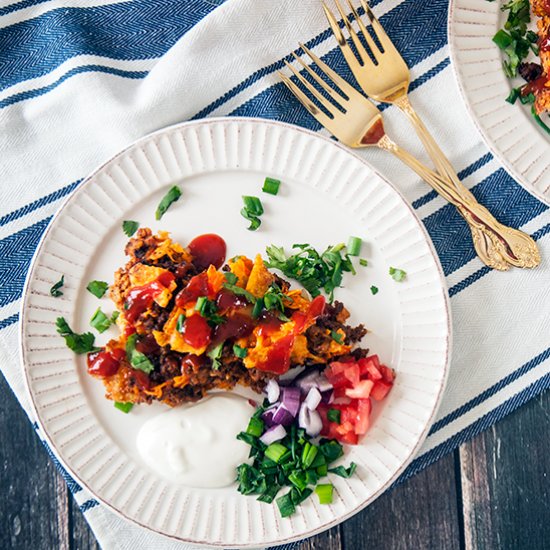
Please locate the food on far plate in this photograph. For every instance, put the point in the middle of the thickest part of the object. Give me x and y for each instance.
(518, 42)
(190, 323)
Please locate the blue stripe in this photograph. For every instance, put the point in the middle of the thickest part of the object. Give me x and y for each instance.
(475, 428)
(42, 201)
(28, 94)
(463, 174)
(411, 40)
(91, 503)
(9, 321)
(16, 252)
(20, 6)
(489, 392)
(140, 29)
(73, 486)
(465, 283)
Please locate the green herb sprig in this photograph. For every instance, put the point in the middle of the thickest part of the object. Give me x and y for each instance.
(55, 290)
(79, 343)
(174, 193)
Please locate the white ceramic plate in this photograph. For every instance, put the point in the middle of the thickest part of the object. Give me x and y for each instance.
(327, 194)
(510, 131)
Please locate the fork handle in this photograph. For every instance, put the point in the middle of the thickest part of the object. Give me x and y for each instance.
(444, 167)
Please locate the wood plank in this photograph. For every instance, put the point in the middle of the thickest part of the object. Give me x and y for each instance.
(423, 512)
(33, 507)
(505, 472)
(329, 540)
(82, 537)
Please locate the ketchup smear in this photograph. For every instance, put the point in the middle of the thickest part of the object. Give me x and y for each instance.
(209, 249)
(140, 298)
(104, 363)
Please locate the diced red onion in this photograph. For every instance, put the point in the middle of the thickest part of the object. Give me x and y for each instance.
(327, 396)
(291, 400)
(273, 391)
(323, 384)
(267, 417)
(310, 421)
(307, 380)
(313, 399)
(275, 433)
(282, 416)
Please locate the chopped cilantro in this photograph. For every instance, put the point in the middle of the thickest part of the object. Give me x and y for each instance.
(337, 337)
(251, 211)
(100, 321)
(174, 193)
(334, 415)
(130, 227)
(215, 354)
(239, 352)
(137, 359)
(79, 343)
(374, 290)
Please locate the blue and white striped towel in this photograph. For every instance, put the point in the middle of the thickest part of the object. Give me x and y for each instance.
(80, 79)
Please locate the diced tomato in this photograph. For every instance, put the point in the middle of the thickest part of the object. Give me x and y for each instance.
(337, 367)
(387, 373)
(369, 369)
(350, 438)
(337, 380)
(380, 390)
(361, 390)
(362, 423)
(352, 373)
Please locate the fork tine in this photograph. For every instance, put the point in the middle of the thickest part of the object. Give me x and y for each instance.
(357, 43)
(312, 90)
(377, 28)
(368, 38)
(305, 101)
(349, 56)
(330, 91)
(347, 88)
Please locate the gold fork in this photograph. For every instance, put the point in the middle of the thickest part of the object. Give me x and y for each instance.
(386, 79)
(357, 122)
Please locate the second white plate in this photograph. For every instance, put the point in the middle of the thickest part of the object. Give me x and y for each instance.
(510, 131)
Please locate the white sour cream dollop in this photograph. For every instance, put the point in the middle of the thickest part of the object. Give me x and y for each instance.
(196, 444)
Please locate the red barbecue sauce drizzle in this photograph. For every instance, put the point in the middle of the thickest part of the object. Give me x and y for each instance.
(209, 249)
(544, 44)
(278, 356)
(105, 363)
(196, 331)
(196, 287)
(535, 86)
(140, 298)
(374, 134)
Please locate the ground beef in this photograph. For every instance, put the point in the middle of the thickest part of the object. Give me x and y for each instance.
(530, 71)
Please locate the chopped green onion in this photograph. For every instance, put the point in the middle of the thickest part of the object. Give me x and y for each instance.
(130, 227)
(298, 496)
(97, 288)
(239, 352)
(374, 290)
(201, 303)
(308, 454)
(334, 415)
(322, 470)
(336, 336)
(324, 492)
(79, 343)
(502, 39)
(344, 472)
(285, 505)
(180, 322)
(215, 354)
(137, 359)
(271, 186)
(354, 246)
(311, 477)
(331, 449)
(54, 291)
(514, 94)
(363, 262)
(253, 205)
(251, 211)
(255, 427)
(231, 278)
(100, 321)
(174, 193)
(528, 99)
(269, 494)
(298, 479)
(115, 316)
(124, 407)
(397, 274)
(276, 452)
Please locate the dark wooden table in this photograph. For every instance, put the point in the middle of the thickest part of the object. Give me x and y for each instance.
(491, 494)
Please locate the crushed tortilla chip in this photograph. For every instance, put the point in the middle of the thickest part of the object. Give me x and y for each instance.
(170, 336)
(141, 275)
(241, 266)
(260, 278)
